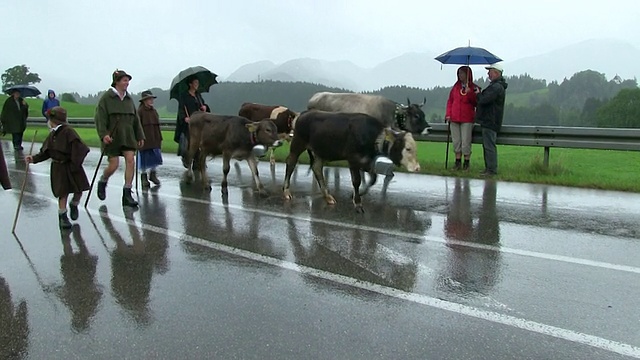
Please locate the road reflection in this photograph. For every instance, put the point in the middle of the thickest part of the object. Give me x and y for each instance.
(14, 325)
(80, 292)
(470, 272)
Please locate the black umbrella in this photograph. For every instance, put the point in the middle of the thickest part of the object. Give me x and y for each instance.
(25, 90)
(179, 84)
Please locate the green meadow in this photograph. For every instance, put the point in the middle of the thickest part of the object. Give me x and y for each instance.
(597, 169)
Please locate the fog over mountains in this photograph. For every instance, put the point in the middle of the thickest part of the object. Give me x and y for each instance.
(419, 69)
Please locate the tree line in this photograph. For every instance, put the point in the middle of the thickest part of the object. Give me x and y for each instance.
(585, 99)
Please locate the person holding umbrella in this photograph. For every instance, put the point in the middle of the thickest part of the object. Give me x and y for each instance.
(121, 132)
(14, 117)
(188, 103)
(489, 114)
(461, 110)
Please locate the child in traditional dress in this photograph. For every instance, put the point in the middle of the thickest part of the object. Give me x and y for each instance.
(149, 156)
(67, 153)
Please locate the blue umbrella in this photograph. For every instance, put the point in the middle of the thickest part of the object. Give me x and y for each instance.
(25, 90)
(468, 55)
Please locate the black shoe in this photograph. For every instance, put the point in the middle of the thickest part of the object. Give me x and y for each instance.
(73, 211)
(64, 222)
(144, 181)
(457, 165)
(488, 173)
(153, 177)
(465, 165)
(127, 199)
(102, 189)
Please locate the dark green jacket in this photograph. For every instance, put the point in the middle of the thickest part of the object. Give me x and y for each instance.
(490, 107)
(14, 117)
(119, 119)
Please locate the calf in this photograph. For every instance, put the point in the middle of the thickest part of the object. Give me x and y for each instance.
(283, 117)
(232, 137)
(356, 138)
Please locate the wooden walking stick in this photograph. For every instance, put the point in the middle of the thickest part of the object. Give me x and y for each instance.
(95, 173)
(24, 185)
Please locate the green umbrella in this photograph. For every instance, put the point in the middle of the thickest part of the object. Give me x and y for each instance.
(179, 84)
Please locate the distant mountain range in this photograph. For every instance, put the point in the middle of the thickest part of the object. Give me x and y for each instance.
(611, 57)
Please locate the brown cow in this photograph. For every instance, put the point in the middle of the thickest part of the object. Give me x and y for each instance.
(232, 137)
(283, 117)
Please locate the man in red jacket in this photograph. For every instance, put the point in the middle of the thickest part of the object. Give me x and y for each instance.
(461, 110)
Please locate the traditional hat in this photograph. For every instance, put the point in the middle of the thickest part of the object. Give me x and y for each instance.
(117, 75)
(57, 114)
(147, 94)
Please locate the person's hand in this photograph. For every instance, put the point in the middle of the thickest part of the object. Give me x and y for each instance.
(140, 143)
(107, 139)
(447, 119)
(476, 90)
(28, 159)
(187, 119)
(203, 108)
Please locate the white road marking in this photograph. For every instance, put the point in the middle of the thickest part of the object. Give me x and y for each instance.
(498, 318)
(400, 234)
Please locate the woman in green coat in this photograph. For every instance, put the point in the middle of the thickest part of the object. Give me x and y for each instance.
(14, 118)
(121, 133)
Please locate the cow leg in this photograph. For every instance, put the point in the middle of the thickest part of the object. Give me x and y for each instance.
(253, 165)
(317, 166)
(202, 161)
(295, 150)
(226, 166)
(387, 181)
(373, 177)
(272, 157)
(356, 180)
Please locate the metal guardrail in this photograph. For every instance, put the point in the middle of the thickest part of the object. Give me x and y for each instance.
(538, 136)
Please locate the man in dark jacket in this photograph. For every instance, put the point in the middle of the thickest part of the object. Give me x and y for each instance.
(14, 118)
(489, 113)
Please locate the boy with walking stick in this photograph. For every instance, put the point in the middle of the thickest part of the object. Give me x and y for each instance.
(67, 153)
(121, 133)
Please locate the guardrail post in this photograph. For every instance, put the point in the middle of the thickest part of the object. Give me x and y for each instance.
(546, 157)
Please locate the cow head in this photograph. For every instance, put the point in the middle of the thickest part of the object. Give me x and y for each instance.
(402, 149)
(411, 117)
(264, 132)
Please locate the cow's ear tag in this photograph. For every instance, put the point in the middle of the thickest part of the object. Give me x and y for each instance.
(252, 127)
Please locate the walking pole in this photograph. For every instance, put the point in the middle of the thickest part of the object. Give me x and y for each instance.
(95, 173)
(24, 185)
(446, 161)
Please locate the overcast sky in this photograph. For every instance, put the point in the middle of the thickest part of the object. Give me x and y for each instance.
(75, 44)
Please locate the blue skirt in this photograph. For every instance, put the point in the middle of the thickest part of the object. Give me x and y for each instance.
(149, 159)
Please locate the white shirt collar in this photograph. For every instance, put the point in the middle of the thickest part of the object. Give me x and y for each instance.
(54, 129)
(117, 93)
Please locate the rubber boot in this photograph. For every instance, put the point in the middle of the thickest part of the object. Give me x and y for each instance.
(144, 181)
(63, 221)
(457, 165)
(73, 211)
(102, 189)
(153, 177)
(465, 165)
(127, 199)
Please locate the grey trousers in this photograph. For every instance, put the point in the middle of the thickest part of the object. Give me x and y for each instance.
(490, 150)
(461, 137)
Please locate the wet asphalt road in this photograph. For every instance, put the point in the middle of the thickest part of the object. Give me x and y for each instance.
(437, 268)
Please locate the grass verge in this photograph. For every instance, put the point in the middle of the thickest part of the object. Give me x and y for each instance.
(596, 169)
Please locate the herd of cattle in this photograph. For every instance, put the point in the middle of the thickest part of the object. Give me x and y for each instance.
(357, 128)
